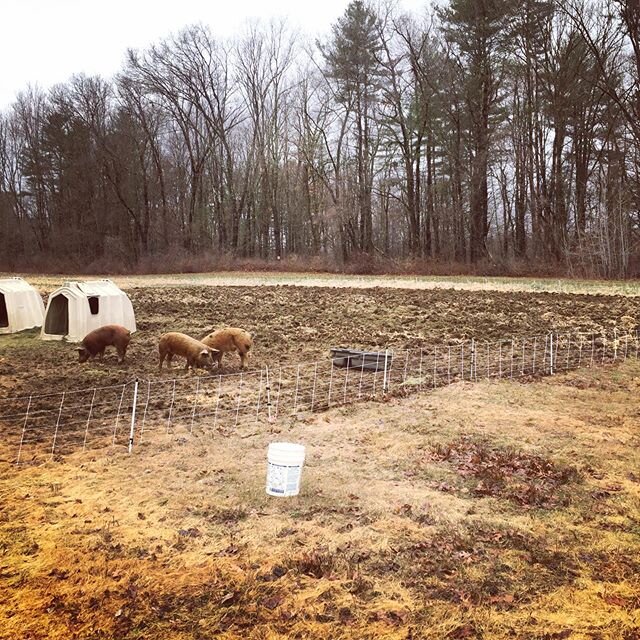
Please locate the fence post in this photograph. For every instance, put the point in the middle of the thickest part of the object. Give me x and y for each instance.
(295, 398)
(86, 430)
(55, 434)
(346, 384)
(511, 368)
(385, 379)
(268, 392)
(215, 413)
(195, 402)
(331, 382)
(146, 407)
(580, 350)
(241, 385)
(488, 361)
(24, 428)
(551, 353)
(259, 396)
(173, 399)
(133, 413)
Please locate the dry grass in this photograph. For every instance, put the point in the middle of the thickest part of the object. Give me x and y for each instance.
(261, 278)
(495, 510)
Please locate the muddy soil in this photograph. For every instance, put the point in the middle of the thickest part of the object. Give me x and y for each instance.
(298, 324)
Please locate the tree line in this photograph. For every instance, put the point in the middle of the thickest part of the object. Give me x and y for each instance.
(482, 132)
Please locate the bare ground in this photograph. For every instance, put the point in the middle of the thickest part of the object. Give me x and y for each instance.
(300, 324)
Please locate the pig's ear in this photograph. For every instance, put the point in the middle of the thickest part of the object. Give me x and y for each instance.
(214, 352)
(205, 352)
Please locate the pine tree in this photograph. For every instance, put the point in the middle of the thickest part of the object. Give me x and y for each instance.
(352, 63)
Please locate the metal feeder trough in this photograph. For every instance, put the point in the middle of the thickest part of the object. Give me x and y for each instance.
(367, 360)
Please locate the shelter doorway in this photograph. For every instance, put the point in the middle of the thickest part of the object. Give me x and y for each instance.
(4, 316)
(57, 322)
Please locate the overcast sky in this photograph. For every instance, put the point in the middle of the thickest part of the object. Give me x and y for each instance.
(43, 42)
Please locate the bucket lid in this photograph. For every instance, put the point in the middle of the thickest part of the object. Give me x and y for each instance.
(286, 447)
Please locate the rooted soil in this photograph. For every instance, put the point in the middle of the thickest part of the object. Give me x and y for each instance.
(301, 324)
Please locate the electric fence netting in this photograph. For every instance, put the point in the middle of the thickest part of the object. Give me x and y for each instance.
(46, 427)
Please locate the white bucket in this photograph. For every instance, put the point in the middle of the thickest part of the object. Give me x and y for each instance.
(284, 468)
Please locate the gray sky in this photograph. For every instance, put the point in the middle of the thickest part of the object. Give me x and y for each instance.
(43, 42)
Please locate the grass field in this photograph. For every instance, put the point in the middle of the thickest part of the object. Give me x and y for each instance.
(495, 510)
(486, 510)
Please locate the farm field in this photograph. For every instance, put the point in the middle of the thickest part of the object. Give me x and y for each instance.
(297, 325)
(484, 510)
(259, 278)
(488, 510)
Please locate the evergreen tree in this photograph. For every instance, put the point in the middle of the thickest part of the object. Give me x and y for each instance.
(476, 29)
(352, 63)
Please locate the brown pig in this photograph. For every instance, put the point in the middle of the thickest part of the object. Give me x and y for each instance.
(95, 342)
(230, 339)
(179, 344)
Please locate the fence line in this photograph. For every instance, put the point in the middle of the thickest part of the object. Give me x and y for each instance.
(50, 425)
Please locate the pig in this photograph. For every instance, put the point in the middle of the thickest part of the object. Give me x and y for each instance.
(230, 339)
(179, 344)
(95, 342)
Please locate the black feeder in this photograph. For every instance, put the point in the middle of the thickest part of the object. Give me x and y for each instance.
(367, 360)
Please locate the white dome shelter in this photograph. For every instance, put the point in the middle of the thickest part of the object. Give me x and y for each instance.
(77, 308)
(21, 306)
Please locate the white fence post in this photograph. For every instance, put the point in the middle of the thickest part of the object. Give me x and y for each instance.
(240, 387)
(259, 396)
(313, 391)
(146, 407)
(173, 399)
(385, 378)
(133, 414)
(86, 429)
(330, 385)
(24, 428)
(295, 398)
(55, 434)
(195, 402)
(268, 392)
(474, 365)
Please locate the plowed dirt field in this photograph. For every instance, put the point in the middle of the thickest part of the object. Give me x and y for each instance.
(300, 324)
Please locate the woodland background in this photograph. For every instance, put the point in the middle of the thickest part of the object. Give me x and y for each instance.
(493, 136)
